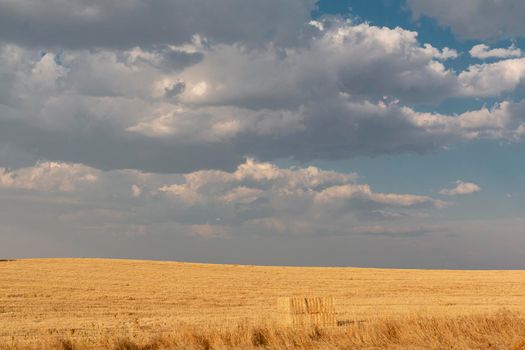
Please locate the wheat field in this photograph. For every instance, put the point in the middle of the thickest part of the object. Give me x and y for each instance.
(128, 304)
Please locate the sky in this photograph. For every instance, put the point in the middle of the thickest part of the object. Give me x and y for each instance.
(384, 133)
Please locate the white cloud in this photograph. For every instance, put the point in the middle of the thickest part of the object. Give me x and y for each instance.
(483, 51)
(364, 192)
(502, 121)
(461, 188)
(442, 55)
(48, 177)
(285, 200)
(253, 180)
(485, 80)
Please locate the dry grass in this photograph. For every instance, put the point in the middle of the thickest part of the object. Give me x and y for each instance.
(122, 304)
(502, 330)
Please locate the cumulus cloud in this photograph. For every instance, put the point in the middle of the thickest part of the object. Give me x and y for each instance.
(485, 80)
(475, 19)
(461, 188)
(48, 177)
(483, 51)
(345, 58)
(283, 200)
(503, 121)
(210, 203)
(443, 55)
(347, 89)
(120, 109)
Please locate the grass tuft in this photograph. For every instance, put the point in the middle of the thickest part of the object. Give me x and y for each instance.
(66, 344)
(128, 344)
(259, 338)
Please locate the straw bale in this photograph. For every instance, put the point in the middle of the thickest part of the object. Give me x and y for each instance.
(304, 311)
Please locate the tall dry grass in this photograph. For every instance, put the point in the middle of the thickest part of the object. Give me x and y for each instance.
(502, 330)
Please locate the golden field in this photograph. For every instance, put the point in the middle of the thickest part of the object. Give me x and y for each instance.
(127, 304)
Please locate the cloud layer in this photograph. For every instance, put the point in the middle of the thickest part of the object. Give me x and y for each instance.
(209, 203)
(82, 24)
(475, 19)
(347, 89)
(171, 122)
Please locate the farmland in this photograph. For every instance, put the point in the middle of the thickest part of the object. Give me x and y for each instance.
(84, 303)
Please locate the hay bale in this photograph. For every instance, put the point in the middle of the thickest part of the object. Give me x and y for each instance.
(307, 311)
(324, 320)
(306, 305)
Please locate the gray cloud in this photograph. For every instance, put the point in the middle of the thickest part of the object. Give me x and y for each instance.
(345, 94)
(175, 89)
(355, 59)
(82, 24)
(175, 60)
(395, 231)
(107, 149)
(475, 19)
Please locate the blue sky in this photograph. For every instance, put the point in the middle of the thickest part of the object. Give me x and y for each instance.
(357, 133)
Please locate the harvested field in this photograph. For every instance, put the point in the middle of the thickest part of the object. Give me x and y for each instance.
(99, 303)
